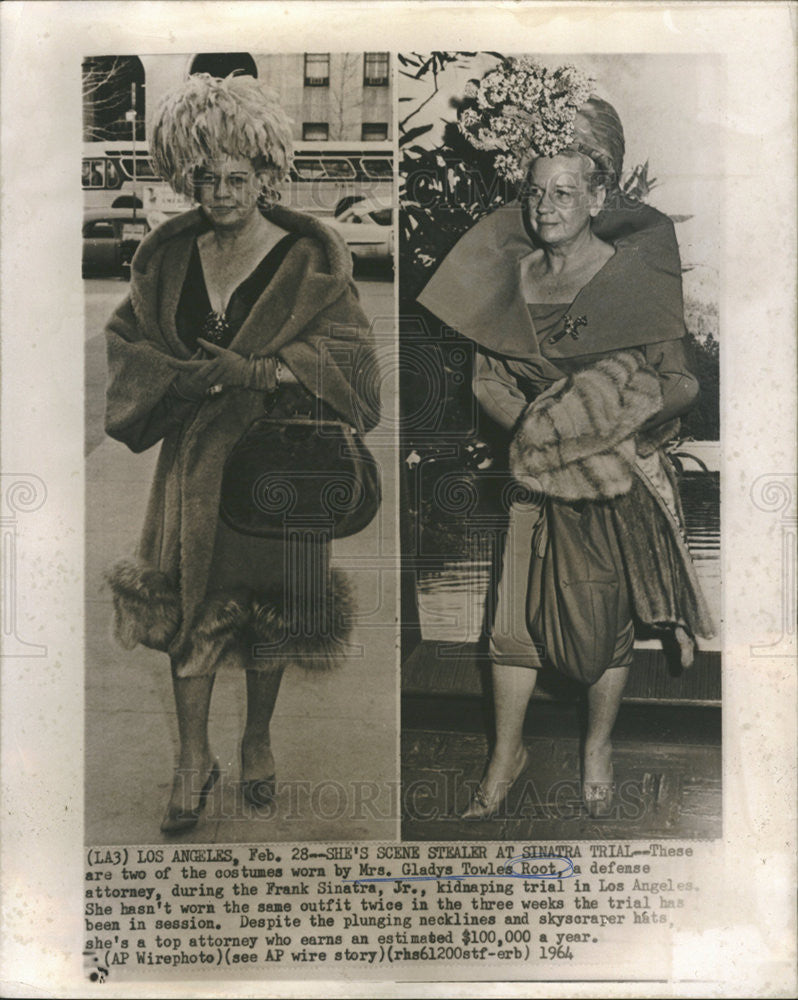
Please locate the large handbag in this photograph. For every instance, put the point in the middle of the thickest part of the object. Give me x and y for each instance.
(299, 472)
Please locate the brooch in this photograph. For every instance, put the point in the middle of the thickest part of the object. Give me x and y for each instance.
(569, 326)
(216, 328)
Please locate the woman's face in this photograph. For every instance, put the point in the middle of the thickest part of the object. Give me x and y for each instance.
(560, 202)
(227, 190)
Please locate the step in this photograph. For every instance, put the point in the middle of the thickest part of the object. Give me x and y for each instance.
(463, 669)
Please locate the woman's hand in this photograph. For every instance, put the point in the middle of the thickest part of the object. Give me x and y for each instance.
(193, 383)
(285, 375)
(225, 368)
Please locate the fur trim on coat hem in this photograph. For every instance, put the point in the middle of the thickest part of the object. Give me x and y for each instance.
(146, 605)
(251, 631)
(244, 630)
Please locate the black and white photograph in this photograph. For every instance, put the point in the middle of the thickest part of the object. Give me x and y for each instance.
(559, 273)
(238, 273)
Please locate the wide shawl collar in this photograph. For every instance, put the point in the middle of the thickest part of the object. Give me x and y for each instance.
(309, 313)
(635, 299)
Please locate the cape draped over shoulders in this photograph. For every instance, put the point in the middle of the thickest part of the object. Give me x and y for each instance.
(634, 299)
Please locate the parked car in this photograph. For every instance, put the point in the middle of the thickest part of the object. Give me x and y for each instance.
(110, 238)
(367, 229)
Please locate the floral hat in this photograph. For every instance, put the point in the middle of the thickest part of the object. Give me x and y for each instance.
(524, 110)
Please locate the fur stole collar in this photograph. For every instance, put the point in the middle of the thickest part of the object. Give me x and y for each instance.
(193, 222)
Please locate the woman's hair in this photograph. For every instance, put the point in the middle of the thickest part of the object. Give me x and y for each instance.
(598, 145)
(208, 118)
(596, 175)
(598, 133)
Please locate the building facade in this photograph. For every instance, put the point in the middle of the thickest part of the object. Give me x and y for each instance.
(330, 96)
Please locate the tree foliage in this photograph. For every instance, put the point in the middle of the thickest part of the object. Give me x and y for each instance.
(111, 87)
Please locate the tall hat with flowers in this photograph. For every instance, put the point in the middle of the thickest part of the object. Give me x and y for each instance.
(524, 110)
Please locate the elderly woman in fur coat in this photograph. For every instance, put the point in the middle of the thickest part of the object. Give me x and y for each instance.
(234, 307)
(574, 299)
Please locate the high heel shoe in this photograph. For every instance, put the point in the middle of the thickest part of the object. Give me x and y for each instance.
(598, 797)
(258, 792)
(177, 820)
(484, 807)
(261, 791)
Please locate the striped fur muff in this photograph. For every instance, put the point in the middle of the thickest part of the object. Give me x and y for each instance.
(576, 441)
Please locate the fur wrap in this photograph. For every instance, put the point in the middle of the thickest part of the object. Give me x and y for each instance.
(309, 315)
(577, 440)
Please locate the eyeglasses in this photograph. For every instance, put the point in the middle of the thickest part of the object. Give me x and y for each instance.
(237, 181)
(562, 197)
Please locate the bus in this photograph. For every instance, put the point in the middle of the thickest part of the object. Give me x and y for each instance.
(326, 179)
(114, 175)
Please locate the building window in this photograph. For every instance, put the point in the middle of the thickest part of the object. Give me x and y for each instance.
(374, 131)
(315, 131)
(112, 87)
(317, 69)
(375, 69)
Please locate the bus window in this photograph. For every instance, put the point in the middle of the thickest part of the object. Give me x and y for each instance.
(307, 169)
(113, 178)
(376, 168)
(102, 229)
(144, 169)
(92, 175)
(339, 169)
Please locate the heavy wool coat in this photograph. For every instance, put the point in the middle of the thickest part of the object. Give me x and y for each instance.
(309, 316)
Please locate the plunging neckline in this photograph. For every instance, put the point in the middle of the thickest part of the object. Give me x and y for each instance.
(195, 316)
(249, 277)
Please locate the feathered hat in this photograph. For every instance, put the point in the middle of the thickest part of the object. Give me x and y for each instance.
(208, 118)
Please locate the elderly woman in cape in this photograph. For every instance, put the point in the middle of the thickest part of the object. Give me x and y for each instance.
(574, 300)
(234, 306)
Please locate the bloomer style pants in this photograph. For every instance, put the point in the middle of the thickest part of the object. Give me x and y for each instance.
(588, 611)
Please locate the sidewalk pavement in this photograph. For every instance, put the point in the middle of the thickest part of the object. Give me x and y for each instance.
(334, 736)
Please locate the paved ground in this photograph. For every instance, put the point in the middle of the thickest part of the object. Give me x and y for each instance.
(334, 736)
(667, 770)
